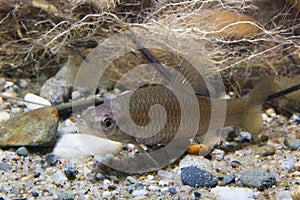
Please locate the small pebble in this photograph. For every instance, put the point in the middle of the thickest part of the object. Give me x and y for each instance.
(196, 161)
(70, 172)
(229, 178)
(142, 192)
(196, 177)
(34, 194)
(4, 116)
(22, 151)
(288, 163)
(235, 163)
(229, 193)
(284, 195)
(219, 154)
(164, 174)
(244, 137)
(106, 194)
(172, 191)
(295, 144)
(51, 159)
(76, 95)
(197, 194)
(257, 178)
(36, 99)
(66, 196)
(131, 180)
(153, 188)
(265, 150)
(5, 167)
(228, 134)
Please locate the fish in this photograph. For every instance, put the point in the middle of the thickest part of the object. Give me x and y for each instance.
(130, 118)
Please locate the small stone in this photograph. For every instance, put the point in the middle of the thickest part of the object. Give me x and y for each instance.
(284, 195)
(34, 128)
(66, 196)
(244, 137)
(100, 177)
(197, 194)
(24, 83)
(57, 90)
(257, 178)
(288, 163)
(59, 178)
(196, 161)
(153, 188)
(196, 177)
(131, 180)
(106, 194)
(51, 159)
(164, 174)
(5, 167)
(265, 150)
(228, 193)
(198, 149)
(4, 116)
(36, 99)
(35, 194)
(70, 172)
(229, 178)
(22, 151)
(219, 154)
(76, 95)
(164, 190)
(294, 144)
(264, 138)
(235, 163)
(172, 191)
(142, 192)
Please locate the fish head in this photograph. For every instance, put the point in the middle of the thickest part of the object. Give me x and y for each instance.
(103, 122)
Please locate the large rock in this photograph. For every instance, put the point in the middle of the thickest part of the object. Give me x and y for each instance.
(34, 128)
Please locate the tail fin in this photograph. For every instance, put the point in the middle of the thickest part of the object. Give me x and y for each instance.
(252, 119)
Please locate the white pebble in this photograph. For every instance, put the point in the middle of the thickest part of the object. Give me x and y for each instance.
(228, 193)
(150, 177)
(59, 178)
(106, 194)
(76, 147)
(76, 95)
(164, 190)
(36, 99)
(284, 195)
(106, 182)
(69, 129)
(142, 192)
(219, 154)
(153, 188)
(164, 174)
(197, 161)
(4, 116)
(288, 163)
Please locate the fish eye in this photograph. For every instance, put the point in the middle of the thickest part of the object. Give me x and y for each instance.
(107, 122)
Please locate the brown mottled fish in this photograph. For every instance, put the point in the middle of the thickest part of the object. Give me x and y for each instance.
(145, 125)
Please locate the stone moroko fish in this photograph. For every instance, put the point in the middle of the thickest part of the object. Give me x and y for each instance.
(245, 112)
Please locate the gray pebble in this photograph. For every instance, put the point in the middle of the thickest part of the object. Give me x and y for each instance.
(244, 137)
(196, 177)
(131, 180)
(70, 172)
(196, 161)
(66, 196)
(164, 174)
(172, 191)
(295, 144)
(5, 167)
(266, 150)
(35, 194)
(153, 188)
(137, 193)
(257, 178)
(163, 183)
(106, 194)
(56, 90)
(229, 178)
(22, 151)
(51, 159)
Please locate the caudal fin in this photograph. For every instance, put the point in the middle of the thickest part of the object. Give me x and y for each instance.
(252, 119)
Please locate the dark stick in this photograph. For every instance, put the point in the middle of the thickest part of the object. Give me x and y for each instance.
(283, 92)
(151, 58)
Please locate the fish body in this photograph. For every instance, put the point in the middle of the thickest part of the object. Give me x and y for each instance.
(162, 125)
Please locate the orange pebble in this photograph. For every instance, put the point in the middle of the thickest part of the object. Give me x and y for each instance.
(198, 149)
